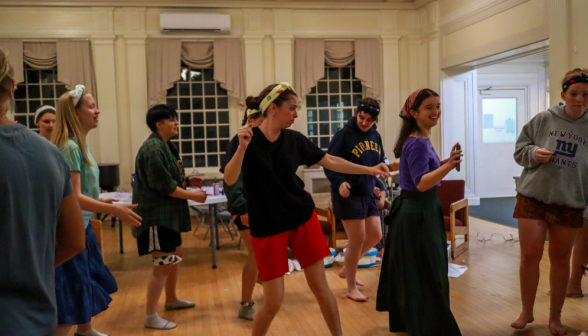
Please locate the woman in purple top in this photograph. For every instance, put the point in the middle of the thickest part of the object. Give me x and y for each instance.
(413, 287)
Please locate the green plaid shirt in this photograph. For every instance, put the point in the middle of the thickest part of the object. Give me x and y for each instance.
(158, 172)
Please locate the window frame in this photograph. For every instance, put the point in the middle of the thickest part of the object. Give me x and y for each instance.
(46, 81)
(196, 142)
(323, 120)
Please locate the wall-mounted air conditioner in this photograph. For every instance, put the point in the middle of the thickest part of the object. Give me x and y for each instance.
(195, 22)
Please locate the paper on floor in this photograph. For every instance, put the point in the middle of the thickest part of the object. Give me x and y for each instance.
(123, 196)
(456, 270)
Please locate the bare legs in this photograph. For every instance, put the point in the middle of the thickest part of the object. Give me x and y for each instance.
(561, 242)
(363, 235)
(273, 292)
(163, 276)
(274, 295)
(532, 235)
(250, 272)
(579, 258)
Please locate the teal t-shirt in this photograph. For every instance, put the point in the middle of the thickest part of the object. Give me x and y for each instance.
(34, 180)
(89, 175)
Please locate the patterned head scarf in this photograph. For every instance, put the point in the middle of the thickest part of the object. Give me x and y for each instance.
(251, 111)
(405, 113)
(77, 93)
(274, 93)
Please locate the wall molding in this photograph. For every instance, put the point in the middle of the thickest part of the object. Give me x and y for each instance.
(422, 3)
(136, 39)
(478, 11)
(103, 39)
(225, 4)
(512, 42)
(509, 56)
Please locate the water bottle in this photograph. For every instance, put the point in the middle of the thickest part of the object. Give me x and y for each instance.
(215, 187)
(132, 180)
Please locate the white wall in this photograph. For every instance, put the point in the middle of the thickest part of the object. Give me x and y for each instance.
(119, 34)
(528, 76)
(418, 40)
(527, 72)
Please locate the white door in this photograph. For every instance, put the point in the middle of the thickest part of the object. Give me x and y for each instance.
(459, 105)
(500, 118)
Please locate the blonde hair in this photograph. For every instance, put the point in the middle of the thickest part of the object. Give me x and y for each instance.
(6, 79)
(67, 125)
(574, 73)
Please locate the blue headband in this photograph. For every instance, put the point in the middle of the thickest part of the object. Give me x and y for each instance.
(374, 111)
(577, 79)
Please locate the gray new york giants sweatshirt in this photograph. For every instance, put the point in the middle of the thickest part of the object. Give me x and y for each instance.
(564, 179)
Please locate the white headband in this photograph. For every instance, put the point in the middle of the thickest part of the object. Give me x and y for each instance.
(41, 110)
(77, 93)
(275, 93)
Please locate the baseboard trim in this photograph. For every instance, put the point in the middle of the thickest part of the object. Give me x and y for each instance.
(473, 201)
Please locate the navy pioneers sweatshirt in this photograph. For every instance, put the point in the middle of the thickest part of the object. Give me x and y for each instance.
(357, 146)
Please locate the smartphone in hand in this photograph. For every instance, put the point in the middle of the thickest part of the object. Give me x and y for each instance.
(458, 147)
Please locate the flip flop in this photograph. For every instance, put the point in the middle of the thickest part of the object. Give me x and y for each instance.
(358, 300)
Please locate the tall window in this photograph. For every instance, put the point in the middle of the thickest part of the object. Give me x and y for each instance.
(331, 103)
(203, 109)
(39, 88)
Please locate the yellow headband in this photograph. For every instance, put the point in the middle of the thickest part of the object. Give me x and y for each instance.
(275, 93)
(252, 111)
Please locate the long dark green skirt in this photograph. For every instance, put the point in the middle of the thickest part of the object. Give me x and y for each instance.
(414, 287)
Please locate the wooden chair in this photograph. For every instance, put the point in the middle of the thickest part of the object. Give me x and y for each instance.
(97, 228)
(455, 212)
(337, 228)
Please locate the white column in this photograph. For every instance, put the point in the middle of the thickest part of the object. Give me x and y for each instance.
(283, 59)
(283, 45)
(253, 72)
(435, 85)
(434, 64)
(415, 66)
(268, 61)
(124, 123)
(580, 39)
(391, 93)
(137, 82)
(284, 71)
(103, 49)
(253, 46)
(559, 59)
(253, 64)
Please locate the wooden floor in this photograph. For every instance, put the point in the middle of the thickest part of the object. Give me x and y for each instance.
(485, 300)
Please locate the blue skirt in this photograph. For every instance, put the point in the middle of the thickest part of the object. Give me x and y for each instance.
(83, 284)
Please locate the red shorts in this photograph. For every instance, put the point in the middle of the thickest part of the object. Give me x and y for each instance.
(307, 243)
